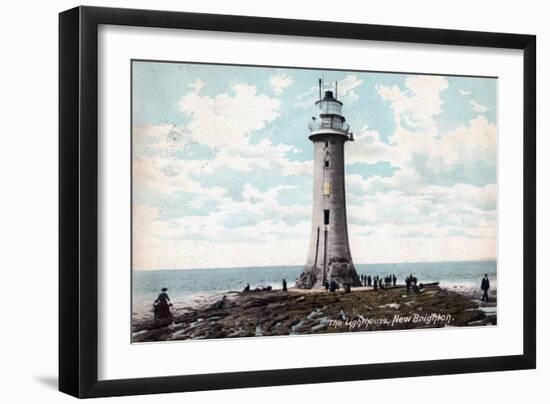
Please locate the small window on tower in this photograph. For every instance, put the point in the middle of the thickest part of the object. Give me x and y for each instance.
(327, 216)
(326, 163)
(326, 188)
(326, 143)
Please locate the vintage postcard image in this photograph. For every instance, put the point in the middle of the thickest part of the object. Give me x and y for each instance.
(272, 201)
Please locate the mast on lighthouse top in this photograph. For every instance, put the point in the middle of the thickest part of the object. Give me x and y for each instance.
(330, 119)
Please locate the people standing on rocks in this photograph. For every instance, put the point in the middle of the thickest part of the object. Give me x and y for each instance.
(284, 285)
(246, 288)
(408, 281)
(485, 287)
(220, 304)
(375, 283)
(369, 281)
(161, 307)
(394, 280)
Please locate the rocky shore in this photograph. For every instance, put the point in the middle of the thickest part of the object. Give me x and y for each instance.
(298, 311)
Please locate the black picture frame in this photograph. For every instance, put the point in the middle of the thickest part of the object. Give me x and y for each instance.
(78, 200)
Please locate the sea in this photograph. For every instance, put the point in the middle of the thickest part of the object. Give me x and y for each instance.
(189, 287)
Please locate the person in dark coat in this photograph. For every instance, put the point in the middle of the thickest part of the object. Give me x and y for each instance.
(247, 288)
(369, 281)
(394, 280)
(284, 285)
(408, 281)
(375, 283)
(485, 287)
(220, 304)
(161, 307)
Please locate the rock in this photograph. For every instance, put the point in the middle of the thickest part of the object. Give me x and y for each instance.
(265, 313)
(390, 306)
(319, 327)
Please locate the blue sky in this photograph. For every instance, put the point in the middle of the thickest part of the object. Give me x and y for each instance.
(222, 165)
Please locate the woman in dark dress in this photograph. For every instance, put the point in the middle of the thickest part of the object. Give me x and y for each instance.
(162, 307)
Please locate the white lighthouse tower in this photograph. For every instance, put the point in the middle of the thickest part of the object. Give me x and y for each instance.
(329, 257)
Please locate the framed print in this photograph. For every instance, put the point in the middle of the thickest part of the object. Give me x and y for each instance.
(264, 201)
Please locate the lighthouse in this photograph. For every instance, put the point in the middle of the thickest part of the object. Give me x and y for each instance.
(329, 257)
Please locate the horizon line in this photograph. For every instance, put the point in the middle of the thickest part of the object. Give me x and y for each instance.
(294, 265)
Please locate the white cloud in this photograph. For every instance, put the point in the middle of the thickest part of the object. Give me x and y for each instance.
(227, 120)
(415, 108)
(417, 136)
(280, 82)
(348, 84)
(346, 89)
(307, 99)
(368, 148)
(478, 107)
(464, 147)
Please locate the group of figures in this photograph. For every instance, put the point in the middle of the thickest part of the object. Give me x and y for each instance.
(411, 282)
(378, 282)
(333, 286)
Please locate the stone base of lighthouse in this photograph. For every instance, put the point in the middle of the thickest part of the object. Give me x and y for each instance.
(338, 269)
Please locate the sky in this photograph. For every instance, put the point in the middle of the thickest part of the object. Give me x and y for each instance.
(222, 165)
